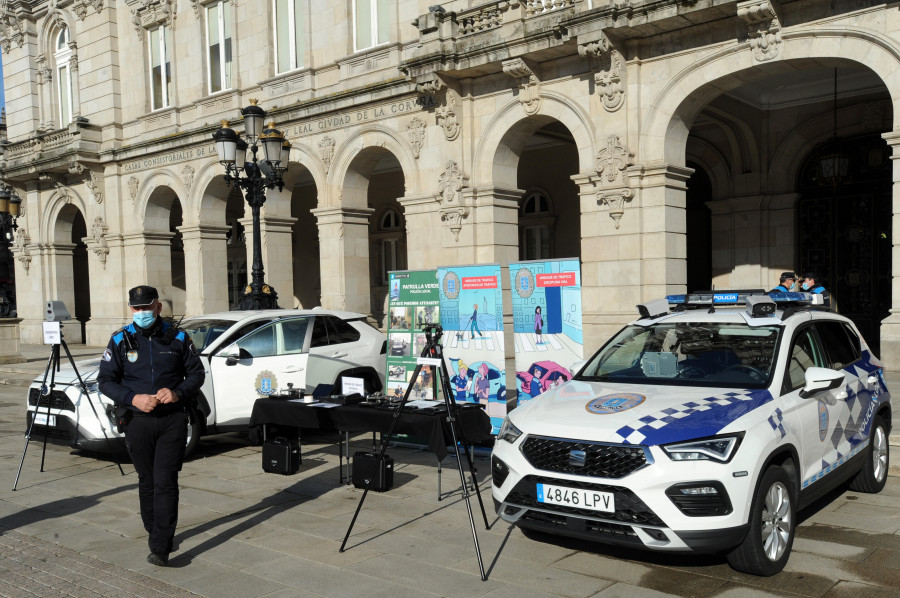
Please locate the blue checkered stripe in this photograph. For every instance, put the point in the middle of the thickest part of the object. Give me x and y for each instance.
(776, 420)
(849, 435)
(697, 418)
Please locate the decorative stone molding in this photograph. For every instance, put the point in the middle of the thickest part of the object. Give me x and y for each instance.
(529, 85)
(197, 5)
(446, 115)
(453, 211)
(12, 29)
(431, 86)
(187, 175)
(97, 241)
(149, 13)
(94, 183)
(608, 81)
(761, 17)
(80, 7)
(326, 151)
(133, 184)
(63, 191)
(613, 159)
(20, 249)
(75, 167)
(44, 72)
(615, 201)
(415, 132)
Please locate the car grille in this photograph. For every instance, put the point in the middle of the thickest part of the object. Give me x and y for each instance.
(38, 432)
(552, 521)
(600, 460)
(629, 508)
(57, 400)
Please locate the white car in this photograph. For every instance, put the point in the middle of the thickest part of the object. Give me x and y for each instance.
(246, 355)
(701, 429)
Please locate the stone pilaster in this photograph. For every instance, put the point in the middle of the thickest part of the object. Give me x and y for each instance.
(890, 326)
(344, 265)
(205, 268)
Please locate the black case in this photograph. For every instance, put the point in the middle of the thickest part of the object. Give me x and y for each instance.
(362, 469)
(281, 455)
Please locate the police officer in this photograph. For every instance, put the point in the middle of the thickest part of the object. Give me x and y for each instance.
(785, 283)
(811, 286)
(151, 369)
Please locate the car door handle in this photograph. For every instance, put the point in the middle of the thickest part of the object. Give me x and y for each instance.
(292, 370)
(340, 354)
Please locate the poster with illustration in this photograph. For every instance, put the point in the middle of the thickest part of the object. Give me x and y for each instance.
(547, 322)
(471, 303)
(414, 303)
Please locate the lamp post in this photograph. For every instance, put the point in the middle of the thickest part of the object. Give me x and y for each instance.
(258, 175)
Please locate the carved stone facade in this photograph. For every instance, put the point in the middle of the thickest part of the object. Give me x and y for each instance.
(482, 132)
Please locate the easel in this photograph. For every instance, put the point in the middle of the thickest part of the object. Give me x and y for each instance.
(56, 312)
(432, 355)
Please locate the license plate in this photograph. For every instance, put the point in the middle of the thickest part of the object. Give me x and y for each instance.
(41, 419)
(577, 498)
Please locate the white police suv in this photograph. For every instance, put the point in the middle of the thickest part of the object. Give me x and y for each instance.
(704, 427)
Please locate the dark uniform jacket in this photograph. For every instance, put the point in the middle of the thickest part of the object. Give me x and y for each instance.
(138, 361)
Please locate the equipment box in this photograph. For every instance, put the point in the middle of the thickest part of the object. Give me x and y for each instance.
(363, 463)
(281, 455)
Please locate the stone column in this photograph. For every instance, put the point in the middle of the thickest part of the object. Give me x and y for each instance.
(9, 341)
(344, 266)
(62, 286)
(422, 220)
(495, 226)
(277, 255)
(890, 326)
(205, 268)
(148, 260)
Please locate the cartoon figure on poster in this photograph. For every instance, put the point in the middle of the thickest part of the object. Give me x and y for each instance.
(471, 314)
(547, 322)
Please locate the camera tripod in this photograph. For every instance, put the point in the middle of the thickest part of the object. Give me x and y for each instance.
(433, 353)
(53, 364)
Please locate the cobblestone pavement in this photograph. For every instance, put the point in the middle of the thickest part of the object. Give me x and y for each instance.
(72, 529)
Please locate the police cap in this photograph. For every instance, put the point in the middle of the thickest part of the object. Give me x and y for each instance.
(788, 276)
(142, 295)
(811, 274)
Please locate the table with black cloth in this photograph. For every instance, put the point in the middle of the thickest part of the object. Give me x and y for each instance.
(474, 423)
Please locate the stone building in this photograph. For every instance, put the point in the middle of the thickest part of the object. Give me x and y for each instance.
(666, 144)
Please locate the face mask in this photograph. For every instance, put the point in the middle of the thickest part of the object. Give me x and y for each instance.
(144, 319)
(791, 288)
(805, 286)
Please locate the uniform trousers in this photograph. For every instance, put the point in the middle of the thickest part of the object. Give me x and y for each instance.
(156, 445)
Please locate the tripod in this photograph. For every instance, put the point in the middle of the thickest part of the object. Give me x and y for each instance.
(434, 353)
(51, 369)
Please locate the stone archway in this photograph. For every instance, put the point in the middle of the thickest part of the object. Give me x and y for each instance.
(164, 249)
(69, 270)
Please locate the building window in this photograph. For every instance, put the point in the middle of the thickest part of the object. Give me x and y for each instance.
(160, 67)
(535, 226)
(62, 56)
(290, 34)
(218, 35)
(371, 21)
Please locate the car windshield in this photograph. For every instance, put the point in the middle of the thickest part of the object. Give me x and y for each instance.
(204, 331)
(688, 354)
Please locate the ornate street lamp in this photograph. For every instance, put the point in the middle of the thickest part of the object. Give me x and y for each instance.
(9, 212)
(259, 175)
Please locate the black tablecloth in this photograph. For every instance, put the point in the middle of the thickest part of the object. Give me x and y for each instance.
(474, 422)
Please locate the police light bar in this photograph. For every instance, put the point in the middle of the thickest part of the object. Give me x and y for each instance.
(797, 298)
(696, 298)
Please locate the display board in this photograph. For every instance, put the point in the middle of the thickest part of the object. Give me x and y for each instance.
(471, 311)
(414, 302)
(547, 322)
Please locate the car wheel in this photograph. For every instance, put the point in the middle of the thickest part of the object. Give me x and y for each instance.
(767, 546)
(873, 475)
(193, 433)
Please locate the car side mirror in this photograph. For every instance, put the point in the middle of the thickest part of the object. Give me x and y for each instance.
(819, 380)
(233, 354)
(575, 367)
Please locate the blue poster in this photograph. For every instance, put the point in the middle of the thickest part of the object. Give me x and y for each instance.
(546, 302)
(471, 313)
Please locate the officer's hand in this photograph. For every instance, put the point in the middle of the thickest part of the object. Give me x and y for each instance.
(145, 403)
(165, 395)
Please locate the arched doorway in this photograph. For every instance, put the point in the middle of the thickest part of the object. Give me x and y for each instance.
(164, 250)
(71, 283)
(844, 227)
(307, 290)
(549, 210)
(387, 230)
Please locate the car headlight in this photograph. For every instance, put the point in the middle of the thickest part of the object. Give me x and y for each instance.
(508, 431)
(718, 448)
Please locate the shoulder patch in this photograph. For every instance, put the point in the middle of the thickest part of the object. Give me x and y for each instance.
(107, 355)
(117, 338)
